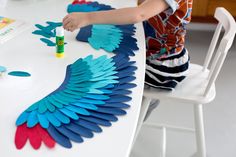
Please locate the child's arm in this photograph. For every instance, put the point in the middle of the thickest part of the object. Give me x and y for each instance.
(147, 9)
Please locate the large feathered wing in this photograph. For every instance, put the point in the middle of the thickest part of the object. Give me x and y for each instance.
(93, 94)
(111, 38)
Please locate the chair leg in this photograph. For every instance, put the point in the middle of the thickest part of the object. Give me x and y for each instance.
(164, 143)
(143, 112)
(199, 127)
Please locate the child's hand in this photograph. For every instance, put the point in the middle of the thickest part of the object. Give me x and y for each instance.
(74, 21)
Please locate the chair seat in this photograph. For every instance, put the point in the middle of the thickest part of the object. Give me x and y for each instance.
(189, 90)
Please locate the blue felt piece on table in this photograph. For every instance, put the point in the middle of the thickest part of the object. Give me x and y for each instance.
(96, 120)
(50, 107)
(125, 86)
(114, 111)
(33, 107)
(41, 106)
(121, 92)
(121, 61)
(80, 130)
(69, 113)
(32, 119)
(128, 69)
(81, 8)
(118, 98)
(19, 73)
(89, 125)
(102, 91)
(67, 97)
(96, 96)
(59, 138)
(123, 74)
(109, 86)
(61, 117)
(64, 98)
(3, 69)
(48, 42)
(78, 110)
(53, 101)
(54, 24)
(46, 29)
(101, 6)
(117, 105)
(116, 58)
(126, 80)
(90, 101)
(22, 118)
(43, 121)
(127, 64)
(52, 119)
(39, 32)
(39, 26)
(70, 134)
(108, 117)
(85, 105)
(84, 33)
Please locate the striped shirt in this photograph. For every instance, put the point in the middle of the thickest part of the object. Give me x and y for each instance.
(167, 59)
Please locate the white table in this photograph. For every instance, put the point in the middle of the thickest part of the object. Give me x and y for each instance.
(27, 53)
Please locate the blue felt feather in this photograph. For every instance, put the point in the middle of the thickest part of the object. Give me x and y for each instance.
(70, 134)
(19, 73)
(59, 137)
(89, 125)
(80, 130)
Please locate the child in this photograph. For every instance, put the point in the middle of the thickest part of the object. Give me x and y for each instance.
(165, 28)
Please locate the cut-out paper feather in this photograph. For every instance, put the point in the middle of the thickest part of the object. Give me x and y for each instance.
(2, 69)
(47, 32)
(19, 73)
(94, 93)
(111, 38)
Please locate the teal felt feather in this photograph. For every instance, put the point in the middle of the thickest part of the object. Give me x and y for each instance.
(19, 74)
(107, 37)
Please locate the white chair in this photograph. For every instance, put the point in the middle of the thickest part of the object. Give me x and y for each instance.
(199, 86)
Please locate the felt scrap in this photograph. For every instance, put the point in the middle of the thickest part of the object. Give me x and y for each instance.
(3, 69)
(19, 74)
(48, 32)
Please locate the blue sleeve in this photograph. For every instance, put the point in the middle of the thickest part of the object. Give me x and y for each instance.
(173, 5)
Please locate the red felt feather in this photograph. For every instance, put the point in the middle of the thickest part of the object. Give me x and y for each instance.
(21, 136)
(46, 138)
(36, 136)
(80, 2)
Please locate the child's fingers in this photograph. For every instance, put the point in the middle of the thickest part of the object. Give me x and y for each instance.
(69, 26)
(73, 28)
(66, 23)
(65, 18)
(66, 26)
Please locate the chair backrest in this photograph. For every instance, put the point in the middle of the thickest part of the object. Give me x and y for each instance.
(226, 22)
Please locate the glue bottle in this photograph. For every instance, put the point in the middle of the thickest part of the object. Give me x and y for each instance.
(60, 42)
